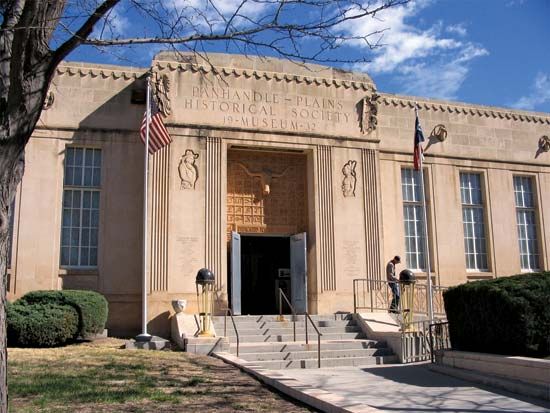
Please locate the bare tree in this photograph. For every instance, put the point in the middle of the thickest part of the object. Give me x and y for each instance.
(36, 35)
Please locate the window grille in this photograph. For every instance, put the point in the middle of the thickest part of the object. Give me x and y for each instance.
(413, 215)
(80, 219)
(475, 243)
(526, 223)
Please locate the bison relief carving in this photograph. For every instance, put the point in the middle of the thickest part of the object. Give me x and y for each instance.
(188, 170)
(350, 179)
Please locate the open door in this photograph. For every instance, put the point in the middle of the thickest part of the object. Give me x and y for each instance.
(298, 272)
(236, 273)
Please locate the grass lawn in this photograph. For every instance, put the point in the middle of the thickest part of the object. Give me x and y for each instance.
(101, 377)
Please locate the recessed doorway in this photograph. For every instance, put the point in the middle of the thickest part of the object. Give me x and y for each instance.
(260, 265)
(265, 267)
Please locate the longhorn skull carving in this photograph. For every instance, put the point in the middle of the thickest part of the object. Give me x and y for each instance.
(266, 176)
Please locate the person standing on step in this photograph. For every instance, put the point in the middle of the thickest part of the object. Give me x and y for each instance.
(393, 283)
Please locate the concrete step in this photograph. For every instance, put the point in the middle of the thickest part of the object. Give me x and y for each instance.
(289, 331)
(302, 346)
(325, 354)
(325, 362)
(258, 338)
(275, 317)
(248, 324)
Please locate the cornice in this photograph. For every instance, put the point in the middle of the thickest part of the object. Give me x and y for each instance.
(266, 75)
(466, 109)
(102, 72)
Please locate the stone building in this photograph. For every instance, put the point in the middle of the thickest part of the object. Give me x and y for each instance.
(301, 176)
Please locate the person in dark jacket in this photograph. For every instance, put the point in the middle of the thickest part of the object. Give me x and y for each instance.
(393, 283)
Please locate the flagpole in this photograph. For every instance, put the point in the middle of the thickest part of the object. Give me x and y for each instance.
(429, 292)
(144, 336)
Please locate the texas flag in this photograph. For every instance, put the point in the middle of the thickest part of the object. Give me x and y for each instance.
(418, 139)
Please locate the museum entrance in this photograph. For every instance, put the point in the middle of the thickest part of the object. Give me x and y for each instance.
(265, 267)
(266, 222)
(260, 266)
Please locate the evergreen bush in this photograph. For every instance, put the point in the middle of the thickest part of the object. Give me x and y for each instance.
(509, 315)
(91, 307)
(41, 325)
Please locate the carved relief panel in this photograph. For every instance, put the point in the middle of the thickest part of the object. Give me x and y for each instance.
(266, 192)
(187, 170)
(350, 178)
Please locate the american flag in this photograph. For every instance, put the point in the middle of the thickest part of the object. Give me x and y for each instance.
(418, 139)
(158, 135)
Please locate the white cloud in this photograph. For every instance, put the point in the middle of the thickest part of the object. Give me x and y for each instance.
(513, 3)
(458, 29)
(205, 13)
(432, 62)
(540, 93)
(440, 78)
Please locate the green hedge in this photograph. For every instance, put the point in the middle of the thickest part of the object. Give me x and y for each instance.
(91, 307)
(41, 325)
(509, 315)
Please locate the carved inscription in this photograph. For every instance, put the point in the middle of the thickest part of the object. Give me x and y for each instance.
(188, 255)
(351, 258)
(246, 108)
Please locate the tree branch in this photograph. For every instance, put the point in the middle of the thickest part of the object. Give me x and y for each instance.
(82, 33)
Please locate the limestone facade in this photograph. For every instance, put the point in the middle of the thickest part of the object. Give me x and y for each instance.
(265, 148)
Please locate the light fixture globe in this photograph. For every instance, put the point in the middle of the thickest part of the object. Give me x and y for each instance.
(407, 277)
(204, 277)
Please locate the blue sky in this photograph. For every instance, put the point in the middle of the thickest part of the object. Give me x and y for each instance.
(489, 52)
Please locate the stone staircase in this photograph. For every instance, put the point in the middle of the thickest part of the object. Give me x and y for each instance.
(269, 343)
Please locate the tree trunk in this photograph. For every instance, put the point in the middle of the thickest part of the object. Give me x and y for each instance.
(26, 68)
(12, 165)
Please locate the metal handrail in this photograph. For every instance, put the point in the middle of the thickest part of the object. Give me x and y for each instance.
(228, 310)
(306, 318)
(439, 338)
(373, 294)
(283, 295)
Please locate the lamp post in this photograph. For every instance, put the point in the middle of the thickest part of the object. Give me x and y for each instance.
(205, 288)
(407, 279)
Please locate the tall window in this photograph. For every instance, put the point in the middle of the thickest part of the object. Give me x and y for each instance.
(413, 219)
(527, 226)
(475, 243)
(80, 223)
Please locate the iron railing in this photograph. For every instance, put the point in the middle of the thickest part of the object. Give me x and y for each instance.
(282, 296)
(306, 318)
(374, 295)
(228, 311)
(439, 339)
(415, 342)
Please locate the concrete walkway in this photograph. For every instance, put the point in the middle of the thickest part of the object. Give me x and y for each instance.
(412, 388)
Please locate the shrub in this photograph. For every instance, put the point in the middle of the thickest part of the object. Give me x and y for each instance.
(41, 325)
(508, 315)
(91, 307)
